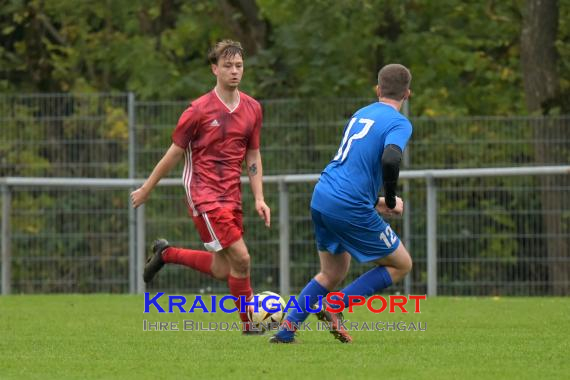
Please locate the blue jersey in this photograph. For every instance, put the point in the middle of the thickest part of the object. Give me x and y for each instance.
(351, 182)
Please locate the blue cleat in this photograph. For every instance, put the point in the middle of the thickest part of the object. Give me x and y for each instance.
(277, 339)
(252, 332)
(286, 334)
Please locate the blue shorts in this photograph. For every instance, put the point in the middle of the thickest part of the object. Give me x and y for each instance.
(369, 240)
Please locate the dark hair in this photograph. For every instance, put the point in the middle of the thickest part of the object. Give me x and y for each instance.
(394, 80)
(225, 48)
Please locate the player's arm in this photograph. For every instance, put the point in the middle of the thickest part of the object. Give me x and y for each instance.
(394, 145)
(391, 159)
(387, 212)
(255, 173)
(172, 156)
(390, 204)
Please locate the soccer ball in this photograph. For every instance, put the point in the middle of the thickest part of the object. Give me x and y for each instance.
(267, 319)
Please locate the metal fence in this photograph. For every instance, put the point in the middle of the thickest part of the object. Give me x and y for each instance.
(500, 258)
(115, 136)
(495, 235)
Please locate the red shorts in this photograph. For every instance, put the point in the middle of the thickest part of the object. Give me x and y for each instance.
(219, 228)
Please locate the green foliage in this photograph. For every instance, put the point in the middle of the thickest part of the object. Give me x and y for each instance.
(464, 56)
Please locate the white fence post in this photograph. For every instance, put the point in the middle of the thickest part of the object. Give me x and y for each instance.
(132, 174)
(284, 254)
(431, 221)
(6, 238)
(141, 249)
(406, 218)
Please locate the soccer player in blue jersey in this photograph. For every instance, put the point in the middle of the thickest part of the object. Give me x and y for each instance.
(347, 211)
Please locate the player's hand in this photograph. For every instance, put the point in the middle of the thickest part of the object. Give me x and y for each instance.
(263, 211)
(385, 211)
(139, 196)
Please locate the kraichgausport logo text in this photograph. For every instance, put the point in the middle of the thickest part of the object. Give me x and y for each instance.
(334, 303)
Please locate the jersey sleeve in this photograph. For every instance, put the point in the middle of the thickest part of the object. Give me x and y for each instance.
(399, 134)
(186, 127)
(255, 137)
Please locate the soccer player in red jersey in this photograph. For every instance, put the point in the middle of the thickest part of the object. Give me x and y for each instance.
(214, 135)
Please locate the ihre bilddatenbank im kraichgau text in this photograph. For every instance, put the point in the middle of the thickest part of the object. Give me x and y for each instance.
(334, 304)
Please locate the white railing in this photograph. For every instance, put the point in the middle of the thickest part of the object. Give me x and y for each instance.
(137, 248)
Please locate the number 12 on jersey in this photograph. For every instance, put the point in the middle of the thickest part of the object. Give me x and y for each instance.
(388, 237)
(347, 142)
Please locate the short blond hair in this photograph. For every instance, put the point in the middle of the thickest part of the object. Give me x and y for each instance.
(224, 48)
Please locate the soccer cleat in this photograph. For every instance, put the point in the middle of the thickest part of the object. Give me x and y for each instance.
(286, 333)
(336, 328)
(251, 329)
(155, 261)
(276, 339)
(253, 332)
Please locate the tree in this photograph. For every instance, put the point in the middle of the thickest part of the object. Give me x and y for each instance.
(539, 62)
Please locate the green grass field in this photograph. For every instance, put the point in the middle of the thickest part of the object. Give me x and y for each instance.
(101, 336)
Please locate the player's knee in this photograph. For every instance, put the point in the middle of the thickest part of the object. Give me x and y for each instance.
(221, 272)
(331, 278)
(406, 265)
(241, 263)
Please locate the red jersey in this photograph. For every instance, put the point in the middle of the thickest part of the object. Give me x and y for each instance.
(215, 140)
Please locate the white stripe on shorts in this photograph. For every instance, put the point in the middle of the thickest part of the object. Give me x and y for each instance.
(214, 245)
